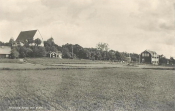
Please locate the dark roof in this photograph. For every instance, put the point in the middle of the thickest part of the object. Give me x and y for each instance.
(151, 52)
(5, 50)
(25, 35)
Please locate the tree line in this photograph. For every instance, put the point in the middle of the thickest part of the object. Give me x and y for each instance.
(101, 52)
(71, 51)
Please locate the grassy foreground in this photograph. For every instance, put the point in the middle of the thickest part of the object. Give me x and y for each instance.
(49, 61)
(117, 89)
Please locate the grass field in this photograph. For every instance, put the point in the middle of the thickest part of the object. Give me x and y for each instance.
(9, 60)
(49, 61)
(117, 89)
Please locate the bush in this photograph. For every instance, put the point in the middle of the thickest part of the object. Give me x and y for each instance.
(14, 53)
(38, 51)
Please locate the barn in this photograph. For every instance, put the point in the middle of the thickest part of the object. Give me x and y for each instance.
(5, 52)
(29, 36)
(149, 57)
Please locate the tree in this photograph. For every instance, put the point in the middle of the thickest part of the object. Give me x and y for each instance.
(49, 42)
(41, 52)
(162, 59)
(24, 51)
(118, 56)
(123, 56)
(98, 55)
(14, 53)
(134, 57)
(30, 41)
(11, 42)
(37, 41)
(111, 55)
(172, 60)
(59, 48)
(66, 53)
(87, 54)
(102, 46)
(50, 46)
(1, 43)
(38, 51)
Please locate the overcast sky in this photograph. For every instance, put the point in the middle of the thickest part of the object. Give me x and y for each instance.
(126, 25)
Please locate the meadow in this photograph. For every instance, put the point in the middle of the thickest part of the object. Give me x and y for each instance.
(49, 61)
(113, 89)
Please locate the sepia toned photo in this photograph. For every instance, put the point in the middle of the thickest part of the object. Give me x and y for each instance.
(87, 55)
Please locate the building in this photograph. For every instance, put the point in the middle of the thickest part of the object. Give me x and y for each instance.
(149, 57)
(5, 52)
(55, 55)
(169, 62)
(29, 36)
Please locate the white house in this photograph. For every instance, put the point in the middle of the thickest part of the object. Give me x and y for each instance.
(55, 55)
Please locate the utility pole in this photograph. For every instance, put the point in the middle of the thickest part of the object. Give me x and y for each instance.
(72, 52)
(139, 58)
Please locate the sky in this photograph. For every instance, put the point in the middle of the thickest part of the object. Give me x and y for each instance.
(125, 25)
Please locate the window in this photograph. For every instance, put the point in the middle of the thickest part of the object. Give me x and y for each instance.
(143, 54)
(147, 54)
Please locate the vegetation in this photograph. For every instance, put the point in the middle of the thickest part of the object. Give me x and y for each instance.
(37, 41)
(118, 89)
(14, 53)
(11, 42)
(51, 61)
(101, 52)
(70, 51)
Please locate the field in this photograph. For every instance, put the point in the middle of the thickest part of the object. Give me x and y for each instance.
(49, 61)
(113, 89)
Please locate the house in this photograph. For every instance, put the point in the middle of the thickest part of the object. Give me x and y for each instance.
(170, 62)
(149, 57)
(5, 51)
(29, 36)
(55, 55)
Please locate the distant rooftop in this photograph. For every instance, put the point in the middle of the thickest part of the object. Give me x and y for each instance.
(25, 35)
(151, 52)
(5, 50)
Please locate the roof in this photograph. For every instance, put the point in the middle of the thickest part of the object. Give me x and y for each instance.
(151, 52)
(5, 50)
(57, 52)
(25, 35)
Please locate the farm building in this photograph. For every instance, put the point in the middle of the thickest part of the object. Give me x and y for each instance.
(29, 36)
(55, 55)
(5, 52)
(169, 62)
(149, 57)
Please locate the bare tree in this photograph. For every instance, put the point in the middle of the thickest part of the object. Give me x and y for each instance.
(102, 46)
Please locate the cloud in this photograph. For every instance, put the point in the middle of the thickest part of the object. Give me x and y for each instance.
(156, 15)
(126, 25)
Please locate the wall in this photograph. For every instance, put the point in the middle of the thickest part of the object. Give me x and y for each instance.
(37, 35)
(4, 55)
(147, 58)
